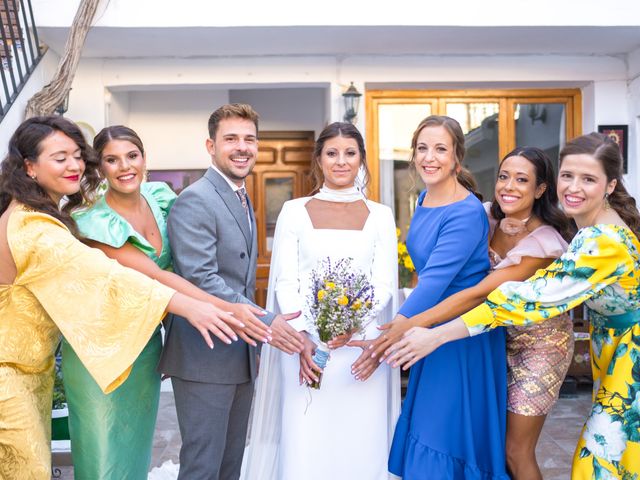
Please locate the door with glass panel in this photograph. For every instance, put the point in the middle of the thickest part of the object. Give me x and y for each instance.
(494, 122)
(281, 173)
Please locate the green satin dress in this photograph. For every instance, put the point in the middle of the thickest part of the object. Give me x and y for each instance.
(112, 435)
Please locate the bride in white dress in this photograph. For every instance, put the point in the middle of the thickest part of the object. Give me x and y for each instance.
(344, 429)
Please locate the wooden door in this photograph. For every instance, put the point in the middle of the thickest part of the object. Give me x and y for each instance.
(281, 173)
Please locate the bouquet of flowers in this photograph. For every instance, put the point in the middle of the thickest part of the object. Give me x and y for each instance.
(341, 302)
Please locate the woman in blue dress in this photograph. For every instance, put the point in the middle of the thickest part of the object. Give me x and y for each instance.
(453, 419)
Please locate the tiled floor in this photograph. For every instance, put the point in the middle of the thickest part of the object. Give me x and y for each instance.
(555, 448)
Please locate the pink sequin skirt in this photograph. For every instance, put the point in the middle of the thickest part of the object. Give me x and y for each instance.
(538, 358)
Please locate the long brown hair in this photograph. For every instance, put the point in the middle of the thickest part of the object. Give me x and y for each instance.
(546, 207)
(25, 146)
(333, 130)
(463, 175)
(607, 153)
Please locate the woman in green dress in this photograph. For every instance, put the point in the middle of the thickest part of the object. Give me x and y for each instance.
(112, 435)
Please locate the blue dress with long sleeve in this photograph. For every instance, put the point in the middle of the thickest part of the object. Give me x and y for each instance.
(453, 419)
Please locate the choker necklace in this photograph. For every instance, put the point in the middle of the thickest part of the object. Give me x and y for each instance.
(345, 195)
(513, 226)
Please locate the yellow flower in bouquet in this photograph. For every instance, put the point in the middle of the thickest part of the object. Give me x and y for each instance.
(329, 285)
(343, 300)
(321, 295)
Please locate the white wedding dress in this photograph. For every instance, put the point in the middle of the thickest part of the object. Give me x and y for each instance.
(343, 430)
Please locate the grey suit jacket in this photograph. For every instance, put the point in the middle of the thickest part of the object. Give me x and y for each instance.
(214, 249)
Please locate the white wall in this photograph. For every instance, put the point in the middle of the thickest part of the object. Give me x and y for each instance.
(286, 108)
(173, 126)
(611, 99)
(87, 101)
(608, 103)
(117, 108)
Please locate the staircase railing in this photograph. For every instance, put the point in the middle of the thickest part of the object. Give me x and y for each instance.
(20, 49)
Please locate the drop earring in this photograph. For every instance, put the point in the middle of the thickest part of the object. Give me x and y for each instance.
(607, 205)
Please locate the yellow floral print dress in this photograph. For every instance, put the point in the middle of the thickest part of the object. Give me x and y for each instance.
(105, 311)
(602, 269)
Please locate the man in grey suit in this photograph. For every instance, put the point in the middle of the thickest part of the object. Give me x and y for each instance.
(212, 231)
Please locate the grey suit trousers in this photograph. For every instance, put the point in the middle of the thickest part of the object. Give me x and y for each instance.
(223, 409)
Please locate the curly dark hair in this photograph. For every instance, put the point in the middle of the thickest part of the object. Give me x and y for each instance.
(25, 146)
(546, 207)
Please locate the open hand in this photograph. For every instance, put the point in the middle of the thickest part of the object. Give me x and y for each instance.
(391, 333)
(368, 364)
(205, 318)
(341, 340)
(284, 337)
(254, 328)
(416, 344)
(308, 367)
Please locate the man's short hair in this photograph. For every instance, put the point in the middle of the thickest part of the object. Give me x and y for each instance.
(232, 110)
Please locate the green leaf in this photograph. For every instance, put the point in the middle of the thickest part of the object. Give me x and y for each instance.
(621, 350)
(508, 307)
(635, 371)
(584, 272)
(597, 469)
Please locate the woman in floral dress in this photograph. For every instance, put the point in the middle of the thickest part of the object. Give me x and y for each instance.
(600, 268)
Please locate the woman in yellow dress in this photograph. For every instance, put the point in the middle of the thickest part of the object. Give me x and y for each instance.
(600, 269)
(51, 283)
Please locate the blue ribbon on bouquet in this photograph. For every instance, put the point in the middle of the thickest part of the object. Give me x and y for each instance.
(320, 357)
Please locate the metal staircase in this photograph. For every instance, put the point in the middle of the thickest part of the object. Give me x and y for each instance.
(20, 49)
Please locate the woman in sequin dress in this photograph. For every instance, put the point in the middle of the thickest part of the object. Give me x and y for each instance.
(526, 233)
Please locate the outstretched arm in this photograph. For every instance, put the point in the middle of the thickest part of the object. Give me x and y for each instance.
(419, 342)
(595, 260)
(460, 302)
(243, 321)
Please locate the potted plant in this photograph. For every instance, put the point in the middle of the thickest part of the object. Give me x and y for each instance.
(59, 411)
(406, 269)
